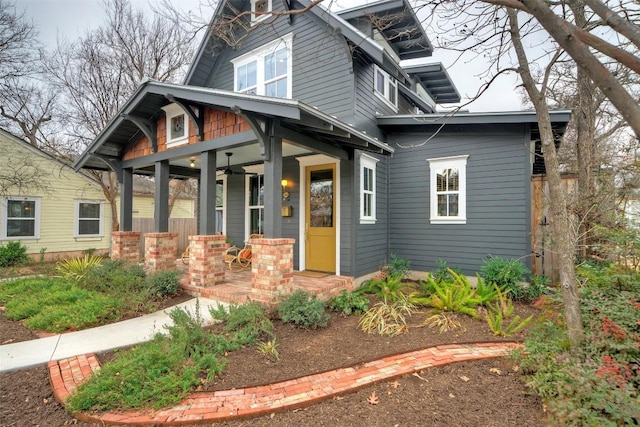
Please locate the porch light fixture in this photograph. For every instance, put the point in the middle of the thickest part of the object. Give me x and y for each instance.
(192, 163)
(285, 193)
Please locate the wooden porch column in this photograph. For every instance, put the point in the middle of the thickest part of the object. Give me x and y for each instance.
(161, 207)
(207, 196)
(273, 184)
(126, 200)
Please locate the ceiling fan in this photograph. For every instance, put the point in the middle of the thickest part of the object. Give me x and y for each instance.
(229, 171)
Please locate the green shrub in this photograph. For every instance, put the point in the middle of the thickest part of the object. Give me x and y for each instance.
(249, 321)
(303, 310)
(456, 296)
(442, 273)
(349, 303)
(77, 268)
(163, 283)
(398, 267)
(391, 288)
(508, 274)
(12, 254)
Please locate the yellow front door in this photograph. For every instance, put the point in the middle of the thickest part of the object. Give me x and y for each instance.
(320, 221)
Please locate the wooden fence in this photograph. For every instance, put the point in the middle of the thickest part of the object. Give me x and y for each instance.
(185, 227)
(544, 258)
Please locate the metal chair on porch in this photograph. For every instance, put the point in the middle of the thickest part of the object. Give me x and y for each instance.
(239, 259)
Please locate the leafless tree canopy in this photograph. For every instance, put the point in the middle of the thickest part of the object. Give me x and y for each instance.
(18, 47)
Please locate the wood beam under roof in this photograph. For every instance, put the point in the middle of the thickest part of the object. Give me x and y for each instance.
(148, 127)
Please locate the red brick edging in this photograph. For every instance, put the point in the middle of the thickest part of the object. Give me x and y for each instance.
(67, 374)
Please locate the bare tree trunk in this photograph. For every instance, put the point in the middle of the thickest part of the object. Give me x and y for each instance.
(585, 134)
(562, 236)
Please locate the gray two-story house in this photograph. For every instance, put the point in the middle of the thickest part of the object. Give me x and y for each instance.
(303, 126)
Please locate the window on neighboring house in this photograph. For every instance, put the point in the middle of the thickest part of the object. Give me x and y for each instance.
(260, 10)
(89, 218)
(266, 70)
(255, 200)
(21, 218)
(177, 125)
(386, 87)
(367, 189)
(448, 176)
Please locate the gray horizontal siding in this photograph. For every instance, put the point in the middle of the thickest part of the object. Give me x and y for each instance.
(371, 242)
(322, 68)
(497, 199)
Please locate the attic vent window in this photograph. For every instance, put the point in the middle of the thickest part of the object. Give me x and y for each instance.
(177, 125)
(260, 10)
(385, 87)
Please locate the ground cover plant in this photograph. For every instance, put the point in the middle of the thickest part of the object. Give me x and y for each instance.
(161, 372)
(88, 292)
(596, 383)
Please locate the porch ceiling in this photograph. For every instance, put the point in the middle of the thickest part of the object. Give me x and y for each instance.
(303, 126)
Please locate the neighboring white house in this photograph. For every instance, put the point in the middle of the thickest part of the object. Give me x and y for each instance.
(59, 214)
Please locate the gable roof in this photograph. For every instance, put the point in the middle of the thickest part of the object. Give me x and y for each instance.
(151, 96)
(413, 43)
(402, 30)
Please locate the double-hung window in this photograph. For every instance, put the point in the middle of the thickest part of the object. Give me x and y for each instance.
(255, 199)
(266, 70)
(89, 218)
(21, 219)
(367, 189)
(448, 185)
(385, 87)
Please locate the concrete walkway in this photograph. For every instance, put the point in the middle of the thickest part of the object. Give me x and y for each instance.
(27, 354)
(201, 407)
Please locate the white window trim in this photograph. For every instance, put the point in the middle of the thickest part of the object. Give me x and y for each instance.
(220, 176)
(171, 111)
(4, 218)
(259, 169)
(76, 219)
(368, 162)
(259, 56)
(454, 162)
(385, 95)
(258, 18)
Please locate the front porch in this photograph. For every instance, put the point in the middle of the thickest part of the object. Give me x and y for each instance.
(236, 287)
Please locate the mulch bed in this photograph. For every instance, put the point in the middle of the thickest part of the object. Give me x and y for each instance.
(487, 393)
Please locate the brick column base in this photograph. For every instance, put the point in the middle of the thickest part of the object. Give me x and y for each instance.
(206, 264)
(160, 251)
(271, 269)
(125, 245)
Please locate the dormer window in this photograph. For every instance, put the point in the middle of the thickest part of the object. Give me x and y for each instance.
(385, 87)
(260, 10)
(177, 125)
(266, 70)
